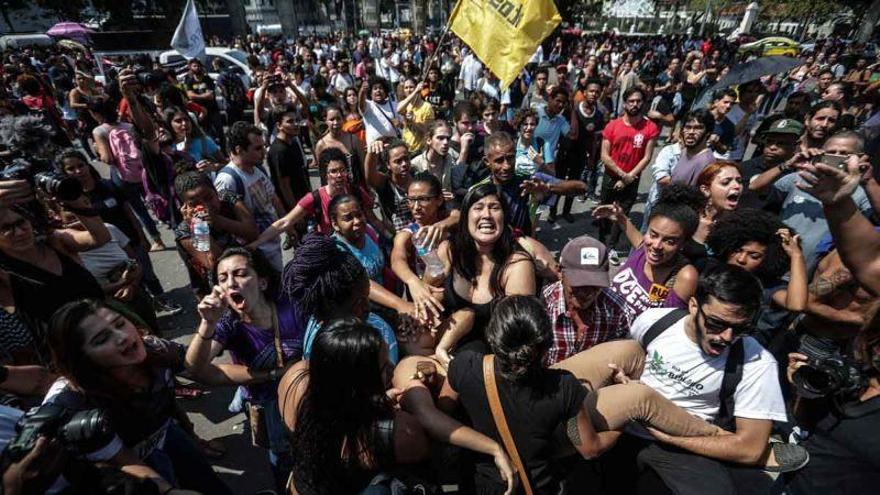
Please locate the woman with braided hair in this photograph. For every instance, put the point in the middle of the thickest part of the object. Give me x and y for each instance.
(329, 283)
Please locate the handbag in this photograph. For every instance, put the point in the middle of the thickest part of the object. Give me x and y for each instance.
(501, 422)
(257, 412)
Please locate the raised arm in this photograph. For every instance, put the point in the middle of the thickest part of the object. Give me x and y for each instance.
(857, 241)
(283, 224)
(374, 178)
(615, 213)
(77, 241)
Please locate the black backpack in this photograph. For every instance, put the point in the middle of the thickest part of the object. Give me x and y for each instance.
(733, 369)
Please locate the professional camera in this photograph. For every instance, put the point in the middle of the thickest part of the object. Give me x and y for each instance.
(827, 371)
(42, 177)
(78, 431)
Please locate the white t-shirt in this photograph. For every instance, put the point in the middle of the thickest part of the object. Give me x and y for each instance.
(258, 196)
(378, 120)
(471, 70)
(101, 260)
(677, 368)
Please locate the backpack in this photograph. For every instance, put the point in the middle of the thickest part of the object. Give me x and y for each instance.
(126, 151)
(733, 369)
(233, 88)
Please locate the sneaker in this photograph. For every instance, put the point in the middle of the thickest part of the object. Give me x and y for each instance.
(582, 198)
(613, 258)
(166, 307)
(288, 242)
(789, 457)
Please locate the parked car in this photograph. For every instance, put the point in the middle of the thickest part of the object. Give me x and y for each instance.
(227, 56)
(776, 45)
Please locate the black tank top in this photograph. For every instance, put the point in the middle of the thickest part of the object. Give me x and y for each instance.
(39, 293)
(453, 301)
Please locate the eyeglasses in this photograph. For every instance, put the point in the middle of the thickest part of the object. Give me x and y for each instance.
(10, 228)
(715, 326)
(420, 199)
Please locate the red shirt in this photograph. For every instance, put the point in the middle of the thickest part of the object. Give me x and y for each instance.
(628, 143)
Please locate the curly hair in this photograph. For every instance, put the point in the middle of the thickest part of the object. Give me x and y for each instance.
(321, 276)
(521, 116)
(683, 194)
(740, 227)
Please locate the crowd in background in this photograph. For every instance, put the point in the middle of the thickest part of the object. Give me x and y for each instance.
(724, 339)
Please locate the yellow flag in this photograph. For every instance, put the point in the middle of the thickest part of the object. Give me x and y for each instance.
(504, 34)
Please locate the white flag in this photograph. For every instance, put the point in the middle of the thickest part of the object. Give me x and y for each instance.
(188, 39)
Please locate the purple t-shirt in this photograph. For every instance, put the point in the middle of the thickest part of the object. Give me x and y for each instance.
(688, 169)
(255, 347)
(637, 292)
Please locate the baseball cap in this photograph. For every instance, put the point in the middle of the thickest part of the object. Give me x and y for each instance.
(585, 262)
(785, 126)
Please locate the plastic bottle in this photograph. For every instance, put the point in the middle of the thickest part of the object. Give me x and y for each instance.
(201, 231)
(433, 263)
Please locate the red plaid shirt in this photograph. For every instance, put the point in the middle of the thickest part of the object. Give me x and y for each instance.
(605, 320)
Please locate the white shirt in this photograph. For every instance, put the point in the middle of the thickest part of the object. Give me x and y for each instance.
(677, 368)
(378, 120)
(470, 72)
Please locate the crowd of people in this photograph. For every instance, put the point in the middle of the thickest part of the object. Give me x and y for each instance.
(423, 333)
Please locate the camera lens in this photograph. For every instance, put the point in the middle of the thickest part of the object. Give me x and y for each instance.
(87, 430)
(60, 186)
(813, 383)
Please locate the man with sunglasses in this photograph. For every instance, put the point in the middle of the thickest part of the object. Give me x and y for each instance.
(704, 361)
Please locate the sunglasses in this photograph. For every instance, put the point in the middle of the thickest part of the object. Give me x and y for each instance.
(715, 326)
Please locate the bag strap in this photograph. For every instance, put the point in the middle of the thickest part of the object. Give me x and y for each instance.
(501, 421)
(239, 182)
(276, 329)
(733, 372)
(660, 326)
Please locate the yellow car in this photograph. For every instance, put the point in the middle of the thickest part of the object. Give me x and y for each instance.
(776, 45)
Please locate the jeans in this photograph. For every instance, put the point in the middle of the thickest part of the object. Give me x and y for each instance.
(609, 232)
(150, 281)
(135, 193)
(611, 406)
(182, 464)
(280, 456)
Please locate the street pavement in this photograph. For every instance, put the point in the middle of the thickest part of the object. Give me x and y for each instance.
(244, 468)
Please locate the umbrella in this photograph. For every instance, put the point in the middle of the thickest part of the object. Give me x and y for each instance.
(756, 69)
(748, 71)
(70, 30)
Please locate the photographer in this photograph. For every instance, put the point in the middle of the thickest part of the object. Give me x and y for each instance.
(43, 263)
(843, 442)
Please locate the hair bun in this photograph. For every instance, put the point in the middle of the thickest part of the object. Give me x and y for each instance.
(314, 254)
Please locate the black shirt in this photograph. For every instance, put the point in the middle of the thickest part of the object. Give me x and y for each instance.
(288, 160)
(750, 169)
(844, 452)
(536, 414)
(202, 86)
(111, 201)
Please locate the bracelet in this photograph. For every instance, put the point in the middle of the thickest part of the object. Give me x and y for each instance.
(203, 337)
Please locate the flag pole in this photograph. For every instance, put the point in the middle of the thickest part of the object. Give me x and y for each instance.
(440, 41)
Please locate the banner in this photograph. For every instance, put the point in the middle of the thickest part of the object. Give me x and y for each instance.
(188, 39)
(504, 34)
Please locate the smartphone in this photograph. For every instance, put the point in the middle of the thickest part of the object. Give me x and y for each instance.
(838, 161)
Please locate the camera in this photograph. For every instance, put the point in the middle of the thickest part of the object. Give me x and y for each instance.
(42, 177)
(78, 431)
(827, 371)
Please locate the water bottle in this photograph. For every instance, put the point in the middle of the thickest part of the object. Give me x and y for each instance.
(433, 263)
(201, 231)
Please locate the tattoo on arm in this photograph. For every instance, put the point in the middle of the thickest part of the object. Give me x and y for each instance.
(571, 429)
(822, 285)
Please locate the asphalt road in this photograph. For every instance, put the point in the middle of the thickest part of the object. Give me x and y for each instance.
(244, 468)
